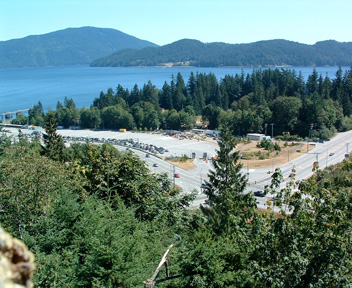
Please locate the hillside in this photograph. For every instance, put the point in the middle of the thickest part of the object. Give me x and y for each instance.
(72, 46)
(188, 52)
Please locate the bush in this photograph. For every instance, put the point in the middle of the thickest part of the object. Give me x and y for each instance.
(277, 147)
(184, 158)
(266, 144)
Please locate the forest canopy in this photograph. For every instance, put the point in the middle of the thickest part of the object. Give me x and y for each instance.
(269, 53)
(317, 107)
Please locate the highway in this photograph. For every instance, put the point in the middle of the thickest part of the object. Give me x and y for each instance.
(327, 153)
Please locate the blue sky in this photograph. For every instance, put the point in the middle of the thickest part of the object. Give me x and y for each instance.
(164, 21)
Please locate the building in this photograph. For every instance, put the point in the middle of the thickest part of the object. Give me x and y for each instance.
(256, 136)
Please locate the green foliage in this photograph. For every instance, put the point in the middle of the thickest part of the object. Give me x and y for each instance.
(112, 174)
(269, 145)
(226, 186)
(272, 53)
(36, 115)
(54, 147)
(248, 103)
(28, 185)
(211, 260)
(5, 142)
(184, 158)
(90, 118)
(309, 247)
(85, 221)
(103, 220)
(90, 244)
(21, 119)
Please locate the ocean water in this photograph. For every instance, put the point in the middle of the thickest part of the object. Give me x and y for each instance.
(21, 88)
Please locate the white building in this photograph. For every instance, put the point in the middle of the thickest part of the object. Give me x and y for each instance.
(255, 136)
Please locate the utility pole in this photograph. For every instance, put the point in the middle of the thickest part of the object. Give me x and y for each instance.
(247, 170)
(310, 135)
(272, 130)
(174, 177)
(273, 165)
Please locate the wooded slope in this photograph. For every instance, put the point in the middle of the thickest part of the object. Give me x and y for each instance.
(188, 52)
(72, 46)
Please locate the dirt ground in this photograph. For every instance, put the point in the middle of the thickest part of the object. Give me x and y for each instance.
(189, 165)
(276, 158)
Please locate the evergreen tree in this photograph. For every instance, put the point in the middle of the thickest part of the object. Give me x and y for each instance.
(90, 118)
(69, 103)
(226, 186)
(36, 115)
(53, 142)
(135, 95)
(121, 93)
(312, 83)
(165, 97)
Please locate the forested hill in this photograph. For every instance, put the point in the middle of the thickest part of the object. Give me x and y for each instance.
(264, 53)
(72, 46)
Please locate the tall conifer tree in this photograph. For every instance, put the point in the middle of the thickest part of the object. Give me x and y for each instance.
(226, 186)
(53, 142)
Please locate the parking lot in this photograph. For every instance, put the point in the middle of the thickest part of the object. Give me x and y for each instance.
(158, 143)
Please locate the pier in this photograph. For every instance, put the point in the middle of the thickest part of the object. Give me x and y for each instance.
(12, 115)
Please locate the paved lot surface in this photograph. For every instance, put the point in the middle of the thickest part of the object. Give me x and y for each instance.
(175, 146)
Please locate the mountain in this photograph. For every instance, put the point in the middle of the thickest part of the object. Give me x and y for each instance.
(72, 46)
(188, 52)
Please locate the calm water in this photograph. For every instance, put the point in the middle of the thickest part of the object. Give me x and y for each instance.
(22, 88)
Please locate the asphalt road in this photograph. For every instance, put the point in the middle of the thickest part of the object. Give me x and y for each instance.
(328, 153)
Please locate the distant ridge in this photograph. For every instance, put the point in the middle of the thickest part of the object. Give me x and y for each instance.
(279, 52)
(71, 46)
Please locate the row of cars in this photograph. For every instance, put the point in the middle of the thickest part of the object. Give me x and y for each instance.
(123, 142)
(148, 147)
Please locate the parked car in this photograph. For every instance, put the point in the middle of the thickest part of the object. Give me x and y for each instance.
(276, 198)
(155, 165)
(147, 155)
(259, 193)
(331, 154)
(177, 175)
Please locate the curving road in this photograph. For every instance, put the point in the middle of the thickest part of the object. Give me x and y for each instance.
(328, 153)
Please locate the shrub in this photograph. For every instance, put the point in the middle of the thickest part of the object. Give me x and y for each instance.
(277, 147)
